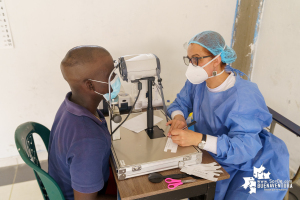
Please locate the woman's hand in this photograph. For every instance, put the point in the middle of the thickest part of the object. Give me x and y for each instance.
(186, 137)
(177, 123)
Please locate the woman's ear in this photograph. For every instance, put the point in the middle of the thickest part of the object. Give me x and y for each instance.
(218, 61)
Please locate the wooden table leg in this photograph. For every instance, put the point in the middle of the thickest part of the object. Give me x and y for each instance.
(210, 193)
(211, 188)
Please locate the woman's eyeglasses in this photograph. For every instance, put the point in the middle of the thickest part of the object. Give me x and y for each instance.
(193, 60)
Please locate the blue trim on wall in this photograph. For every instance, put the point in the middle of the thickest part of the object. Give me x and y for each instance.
(234, 20)
(258, 21)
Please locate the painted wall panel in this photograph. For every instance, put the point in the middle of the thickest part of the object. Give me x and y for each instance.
(276, 66)
(32, 87)
(244, 33)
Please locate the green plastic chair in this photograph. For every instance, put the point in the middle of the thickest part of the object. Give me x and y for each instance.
(26, 148)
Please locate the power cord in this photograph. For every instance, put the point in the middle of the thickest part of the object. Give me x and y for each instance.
(162, 97)
(139, 88)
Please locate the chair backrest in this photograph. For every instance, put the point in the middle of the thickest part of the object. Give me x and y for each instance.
(26, 148)
(289, 125)
(284, 122)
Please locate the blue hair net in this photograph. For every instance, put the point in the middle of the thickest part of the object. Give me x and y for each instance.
(215, 43)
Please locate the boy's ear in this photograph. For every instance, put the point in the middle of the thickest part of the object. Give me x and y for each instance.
(89, 85)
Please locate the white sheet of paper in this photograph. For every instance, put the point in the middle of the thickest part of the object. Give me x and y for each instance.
(139, 123)
(171, 145)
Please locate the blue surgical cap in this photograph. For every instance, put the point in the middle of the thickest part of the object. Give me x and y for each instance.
(215, 43)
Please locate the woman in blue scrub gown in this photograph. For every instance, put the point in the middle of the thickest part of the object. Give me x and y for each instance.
(232, 113)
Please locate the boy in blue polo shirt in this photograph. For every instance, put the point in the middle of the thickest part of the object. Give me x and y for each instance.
(79, 146)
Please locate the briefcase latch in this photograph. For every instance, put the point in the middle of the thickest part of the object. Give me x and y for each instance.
(136, 168)
(181, 164)
(186, 158)
(121, 174)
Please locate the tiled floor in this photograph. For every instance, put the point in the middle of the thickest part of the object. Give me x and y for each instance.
(26, 190)
(18, 182)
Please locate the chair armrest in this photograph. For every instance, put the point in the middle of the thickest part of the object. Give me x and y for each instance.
(286, 123)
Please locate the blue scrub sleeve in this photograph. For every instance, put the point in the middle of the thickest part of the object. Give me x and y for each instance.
(242, 142)
(184, 100)
(85, 159)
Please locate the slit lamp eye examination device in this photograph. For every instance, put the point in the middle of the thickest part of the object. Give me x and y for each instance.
(138, 147)
(141, 70)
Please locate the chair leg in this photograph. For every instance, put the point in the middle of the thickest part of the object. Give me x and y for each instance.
(297, 176)
(286, 197)
(272, 127)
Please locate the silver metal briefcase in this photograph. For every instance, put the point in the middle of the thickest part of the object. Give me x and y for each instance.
(135, 154)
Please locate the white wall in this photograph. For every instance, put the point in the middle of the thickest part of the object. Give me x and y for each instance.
(32, 87)
(276, 68)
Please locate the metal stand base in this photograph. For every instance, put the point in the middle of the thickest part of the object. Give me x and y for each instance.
(156, 132)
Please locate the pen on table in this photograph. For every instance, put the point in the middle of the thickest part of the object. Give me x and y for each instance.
(189, 125)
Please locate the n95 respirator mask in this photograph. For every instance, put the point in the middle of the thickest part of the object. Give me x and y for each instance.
(197, 75)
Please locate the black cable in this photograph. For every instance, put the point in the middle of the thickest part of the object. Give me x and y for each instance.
(158, 90)
(128, 113)
(110, 117)
(163, 100)
(166, 114)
